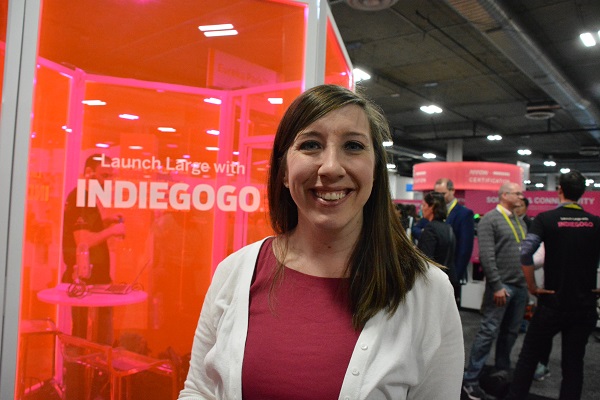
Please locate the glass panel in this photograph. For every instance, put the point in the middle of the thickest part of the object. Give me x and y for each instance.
(3, 21)
(337, 70)
(150, 145)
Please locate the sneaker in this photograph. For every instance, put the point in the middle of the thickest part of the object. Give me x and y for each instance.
(473, 391)
(541, 372)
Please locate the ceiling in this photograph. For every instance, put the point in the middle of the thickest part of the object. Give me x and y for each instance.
(486, 64)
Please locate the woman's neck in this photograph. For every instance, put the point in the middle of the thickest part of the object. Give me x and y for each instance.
(320, 254)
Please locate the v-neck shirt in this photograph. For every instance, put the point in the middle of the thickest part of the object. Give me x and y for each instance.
(300, 334)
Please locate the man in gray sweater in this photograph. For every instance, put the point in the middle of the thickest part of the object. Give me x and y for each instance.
(500, 233)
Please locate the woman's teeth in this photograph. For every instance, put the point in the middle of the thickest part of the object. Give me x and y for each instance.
(331, 195)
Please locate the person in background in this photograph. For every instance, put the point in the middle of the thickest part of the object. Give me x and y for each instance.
(437, 240)
(543, 368)
(405, 212)
(89, 228)
(417, 229)
(401, 214)
(339, 288)
(460, 218)
(521, 211)
(410, 211)
(567, 302)
(500, 234)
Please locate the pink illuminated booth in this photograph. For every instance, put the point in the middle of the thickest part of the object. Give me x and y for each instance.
(181, 99)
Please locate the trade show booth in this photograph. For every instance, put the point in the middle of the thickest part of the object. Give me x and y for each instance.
(179, 102)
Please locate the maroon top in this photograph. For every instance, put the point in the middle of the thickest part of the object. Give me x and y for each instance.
(300, 340)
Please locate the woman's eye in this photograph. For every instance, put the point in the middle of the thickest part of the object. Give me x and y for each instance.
(309, 145)
(354, 146)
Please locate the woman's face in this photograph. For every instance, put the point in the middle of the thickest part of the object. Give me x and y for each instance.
(427, 211)
(330, 170)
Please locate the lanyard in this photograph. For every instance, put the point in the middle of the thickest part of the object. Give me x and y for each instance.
(512, 227)
(452, 204)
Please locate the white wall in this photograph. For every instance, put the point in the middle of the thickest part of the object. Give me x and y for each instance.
(398, 186)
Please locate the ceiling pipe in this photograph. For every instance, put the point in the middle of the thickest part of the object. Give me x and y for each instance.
(494, 22)
(402, 151)
(467, 136)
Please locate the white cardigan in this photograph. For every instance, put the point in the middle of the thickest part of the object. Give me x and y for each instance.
(417, 353)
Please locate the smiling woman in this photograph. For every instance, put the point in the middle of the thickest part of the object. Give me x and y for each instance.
(340, 288)
(329, 172)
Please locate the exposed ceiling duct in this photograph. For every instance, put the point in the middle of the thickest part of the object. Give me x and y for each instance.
(541, 111)
(494, 22)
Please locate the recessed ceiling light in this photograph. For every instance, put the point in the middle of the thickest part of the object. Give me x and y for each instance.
(588, 39)
(550, 163)
(212, 100)
(275, 100)
(494, 137)
(129, 116)
(166, 129)
(103, 145)
(565, 170)
(218, 27)
(360, 75)
(539, 185)
(431, 109)
(213, 132)
(94, 102)
(429, 156)
(231, 32)
(212, 148)
(371, 5)
(524, 152)
(388, 143)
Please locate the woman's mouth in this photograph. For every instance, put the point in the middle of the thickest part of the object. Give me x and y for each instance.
(331, 196)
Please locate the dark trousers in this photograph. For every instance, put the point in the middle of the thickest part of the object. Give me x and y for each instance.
(74, 378)
(575, 326)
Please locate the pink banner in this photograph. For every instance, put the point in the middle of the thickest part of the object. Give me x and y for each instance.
(466, 175)
(482, 201)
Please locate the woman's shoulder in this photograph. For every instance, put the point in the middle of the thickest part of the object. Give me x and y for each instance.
(434, 278)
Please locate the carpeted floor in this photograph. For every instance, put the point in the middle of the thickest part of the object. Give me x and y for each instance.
(548, 388)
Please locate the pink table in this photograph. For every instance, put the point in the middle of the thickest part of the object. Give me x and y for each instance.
(58, 295)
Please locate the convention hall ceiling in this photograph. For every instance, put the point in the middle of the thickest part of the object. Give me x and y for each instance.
(512, 68)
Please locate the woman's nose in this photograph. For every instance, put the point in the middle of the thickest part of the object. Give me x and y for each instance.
(331, 163)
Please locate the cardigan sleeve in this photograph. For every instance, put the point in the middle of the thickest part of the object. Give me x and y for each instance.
(443, 377)
(218, 348)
